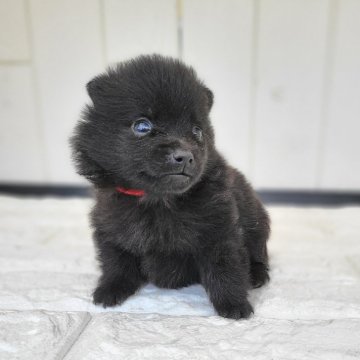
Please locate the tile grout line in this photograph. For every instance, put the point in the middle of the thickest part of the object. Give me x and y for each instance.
(180, 28)
(253, 88)
(328, 66)
(104, 47)
(69, 344)
(37, 101)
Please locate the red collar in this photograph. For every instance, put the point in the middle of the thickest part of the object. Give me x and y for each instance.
(133, 192)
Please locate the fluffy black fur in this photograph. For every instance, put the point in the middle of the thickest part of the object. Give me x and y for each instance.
(199, 220)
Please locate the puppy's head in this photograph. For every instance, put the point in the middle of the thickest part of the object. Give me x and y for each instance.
(147, 127)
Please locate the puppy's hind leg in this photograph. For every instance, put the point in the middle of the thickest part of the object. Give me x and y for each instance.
(256, 231)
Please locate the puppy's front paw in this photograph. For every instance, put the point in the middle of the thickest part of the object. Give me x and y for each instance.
(259, 274)
(111, 295)
(241, 310)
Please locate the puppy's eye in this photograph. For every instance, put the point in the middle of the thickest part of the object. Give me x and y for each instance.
(142, 127)
(197, 132)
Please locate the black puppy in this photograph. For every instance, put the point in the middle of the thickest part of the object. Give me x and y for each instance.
(169, 210)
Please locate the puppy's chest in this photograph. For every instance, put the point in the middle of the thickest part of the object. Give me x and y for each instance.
(162, 229)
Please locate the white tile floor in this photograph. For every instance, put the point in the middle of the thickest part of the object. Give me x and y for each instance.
(310, 310)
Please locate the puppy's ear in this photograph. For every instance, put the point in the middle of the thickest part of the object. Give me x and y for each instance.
(84, 164)
(210, 97)
(89, 168)
(97, 88)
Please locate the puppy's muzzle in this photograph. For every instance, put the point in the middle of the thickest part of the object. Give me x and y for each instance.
(182, 161)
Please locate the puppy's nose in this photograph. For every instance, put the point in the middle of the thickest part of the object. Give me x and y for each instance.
(181, 157)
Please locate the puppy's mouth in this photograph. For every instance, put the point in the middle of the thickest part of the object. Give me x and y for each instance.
(169, 182)
(178, 175)
(175, 181)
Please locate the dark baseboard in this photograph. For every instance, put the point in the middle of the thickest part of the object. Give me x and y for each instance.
(309, 198)
(45, 190)
(285, 197)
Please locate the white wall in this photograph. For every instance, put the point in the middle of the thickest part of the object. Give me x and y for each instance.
(286, 77)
